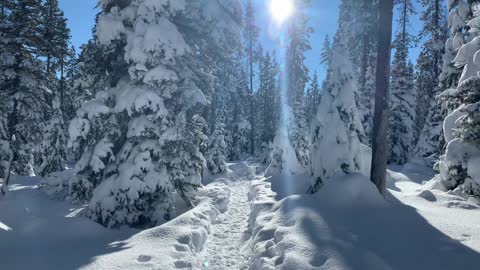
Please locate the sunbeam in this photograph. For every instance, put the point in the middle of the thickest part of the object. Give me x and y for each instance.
(281, 10)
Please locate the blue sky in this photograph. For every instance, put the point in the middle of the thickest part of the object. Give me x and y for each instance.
(323, 14)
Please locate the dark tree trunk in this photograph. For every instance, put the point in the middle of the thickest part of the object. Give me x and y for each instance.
(404, 22)
(62, 80)
(48, 63)
(252, 107)
(380, 121)
(6, 176)
(436, 56)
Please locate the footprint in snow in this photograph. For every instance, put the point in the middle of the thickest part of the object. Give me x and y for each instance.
(144, 258)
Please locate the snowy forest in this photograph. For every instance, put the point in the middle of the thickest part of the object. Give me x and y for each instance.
(176, 138)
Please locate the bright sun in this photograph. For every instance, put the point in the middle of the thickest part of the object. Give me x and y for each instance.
(281, 9)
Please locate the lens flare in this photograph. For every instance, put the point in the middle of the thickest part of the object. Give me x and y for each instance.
(281, 10)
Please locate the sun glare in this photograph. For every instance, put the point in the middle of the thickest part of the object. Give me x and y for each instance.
(281, 10)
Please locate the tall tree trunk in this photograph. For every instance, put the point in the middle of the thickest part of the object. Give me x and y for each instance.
(380, 121)
(252, 107)
(436, 56)
(48, 63)
(6, 176)
(62, 80)
(404, 22)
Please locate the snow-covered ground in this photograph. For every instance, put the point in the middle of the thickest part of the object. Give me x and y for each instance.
(39, 233)
(348, 225)
(246, 221)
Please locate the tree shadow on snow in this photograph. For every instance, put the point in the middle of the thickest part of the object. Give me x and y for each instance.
(43, 236)
(392, 236)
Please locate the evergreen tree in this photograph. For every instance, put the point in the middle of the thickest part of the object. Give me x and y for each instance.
(22, 81)
(55, 35)
(431, 79)
(266, 101)
(366, 98)
(297, 79)
(251, 34)
(217, 149)
(326, 54)
(459, 165)
(6, 154)
(53, 146)
(55, 48)
(402, 95)
(313, 98)
(131, 168)
(70, 105)
(231, 89)
(337, 129)
(358, 19)
(402, 104)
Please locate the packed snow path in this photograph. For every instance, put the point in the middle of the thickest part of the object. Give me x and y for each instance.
(223, 247)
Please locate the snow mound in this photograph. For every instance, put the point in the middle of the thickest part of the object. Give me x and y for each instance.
(57, 184)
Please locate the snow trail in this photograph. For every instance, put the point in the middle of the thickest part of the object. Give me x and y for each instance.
(223, 249)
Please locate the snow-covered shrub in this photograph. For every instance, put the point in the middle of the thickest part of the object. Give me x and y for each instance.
(283, 158)
(56, 184)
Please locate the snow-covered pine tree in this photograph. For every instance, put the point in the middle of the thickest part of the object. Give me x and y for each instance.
(429, 64)
(358, 20)
(55, 48)
(313, 97)
(326, 53)
(459, 166)
(55, 35)
(364, 56)
(216, 152)
(70, 97)
(132, 168)
(431, 78)
(22, 81)
(266, 101)
(232, 86)
(402, 106)
(6, 154)
(366, 99)
(337, 129)
(251, 34)
(402, 91)
(54, 142)
(223, 114)
(297, 78)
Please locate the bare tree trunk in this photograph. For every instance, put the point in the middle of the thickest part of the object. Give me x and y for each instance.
(380, 121)
(252, 107)
(6, 177)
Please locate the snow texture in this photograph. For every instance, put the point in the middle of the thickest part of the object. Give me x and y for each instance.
(277, 226)
(348, 225)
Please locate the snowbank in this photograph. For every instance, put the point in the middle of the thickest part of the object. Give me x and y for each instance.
(39, 233)
(173, 245)
(347, 225)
